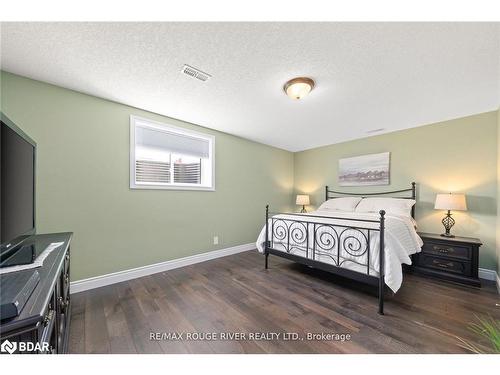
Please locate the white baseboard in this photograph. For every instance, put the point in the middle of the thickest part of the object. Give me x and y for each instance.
(134, 273)
(487, 274)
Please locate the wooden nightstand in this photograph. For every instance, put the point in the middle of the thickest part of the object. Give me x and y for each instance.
(455, 259)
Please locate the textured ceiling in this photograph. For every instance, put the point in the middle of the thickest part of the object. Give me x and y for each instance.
(368, 75)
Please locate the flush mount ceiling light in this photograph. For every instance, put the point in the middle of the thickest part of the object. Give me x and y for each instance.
(298, 87)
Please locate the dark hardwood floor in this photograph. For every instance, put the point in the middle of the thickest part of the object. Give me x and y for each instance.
(236, 294)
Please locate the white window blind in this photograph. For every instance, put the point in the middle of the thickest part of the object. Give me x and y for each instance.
(163, 156)
(152, 171)
(172, 142)
(188, 173)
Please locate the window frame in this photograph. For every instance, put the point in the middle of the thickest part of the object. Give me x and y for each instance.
(160, 126)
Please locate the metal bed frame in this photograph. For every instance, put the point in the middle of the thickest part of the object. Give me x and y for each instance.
(351, 240)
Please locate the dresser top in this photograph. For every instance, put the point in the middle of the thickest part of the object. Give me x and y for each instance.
(33, 311)
(457, 239)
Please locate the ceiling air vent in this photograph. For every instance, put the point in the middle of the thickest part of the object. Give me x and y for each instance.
(195, 73)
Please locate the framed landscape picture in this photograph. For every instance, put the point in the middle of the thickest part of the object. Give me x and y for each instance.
(372, 169)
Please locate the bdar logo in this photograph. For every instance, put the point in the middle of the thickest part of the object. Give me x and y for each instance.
(9, 347)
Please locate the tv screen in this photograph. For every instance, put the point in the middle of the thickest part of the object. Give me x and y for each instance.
(17, 183)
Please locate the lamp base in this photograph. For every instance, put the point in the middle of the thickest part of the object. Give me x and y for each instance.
(303, 211)
(448, 223)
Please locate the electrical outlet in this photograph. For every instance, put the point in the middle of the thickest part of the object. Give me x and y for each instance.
(216, 240)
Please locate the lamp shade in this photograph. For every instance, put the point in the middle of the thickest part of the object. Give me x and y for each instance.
(452, 202)
(302, 200)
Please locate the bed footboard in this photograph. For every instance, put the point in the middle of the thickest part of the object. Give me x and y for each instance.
(340, 248)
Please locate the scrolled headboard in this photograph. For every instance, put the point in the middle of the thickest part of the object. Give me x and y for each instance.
(412, 194)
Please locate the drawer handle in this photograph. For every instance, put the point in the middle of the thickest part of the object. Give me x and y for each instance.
(444, 265)
(48, 318)
(443, 250)
(48, 323)
(67, 256)
(62, 303)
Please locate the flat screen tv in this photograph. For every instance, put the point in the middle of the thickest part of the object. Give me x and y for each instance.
(17, 185)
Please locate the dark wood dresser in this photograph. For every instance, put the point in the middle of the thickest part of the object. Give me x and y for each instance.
(450, 258)
(45, 317)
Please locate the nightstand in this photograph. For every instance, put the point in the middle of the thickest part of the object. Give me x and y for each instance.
(450, 258)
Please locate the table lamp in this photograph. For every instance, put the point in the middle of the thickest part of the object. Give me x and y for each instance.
(302, 200)
(450, 202)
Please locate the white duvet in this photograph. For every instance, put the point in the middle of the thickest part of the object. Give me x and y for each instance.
(401, 240)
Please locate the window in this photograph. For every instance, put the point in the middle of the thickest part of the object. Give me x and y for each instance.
(167, 157)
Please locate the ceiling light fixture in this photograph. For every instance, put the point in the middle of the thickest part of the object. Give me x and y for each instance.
(298, 87)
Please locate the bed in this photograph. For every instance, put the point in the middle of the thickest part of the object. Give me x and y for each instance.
(367, 241)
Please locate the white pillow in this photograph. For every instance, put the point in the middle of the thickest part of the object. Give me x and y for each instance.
(395, 206)
(340, 204)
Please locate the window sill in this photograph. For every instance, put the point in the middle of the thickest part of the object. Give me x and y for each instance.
(160, 187)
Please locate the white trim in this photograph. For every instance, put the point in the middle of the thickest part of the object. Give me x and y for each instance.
(487, 274)
(117, 277)
(163, 127)
(134, 273)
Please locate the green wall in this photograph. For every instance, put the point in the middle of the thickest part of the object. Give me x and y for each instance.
(457, 155)
(83, 183)
(83, 180)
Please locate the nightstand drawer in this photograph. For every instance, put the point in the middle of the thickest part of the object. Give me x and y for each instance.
(445, 264)
(446, 250)
(449, 258)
